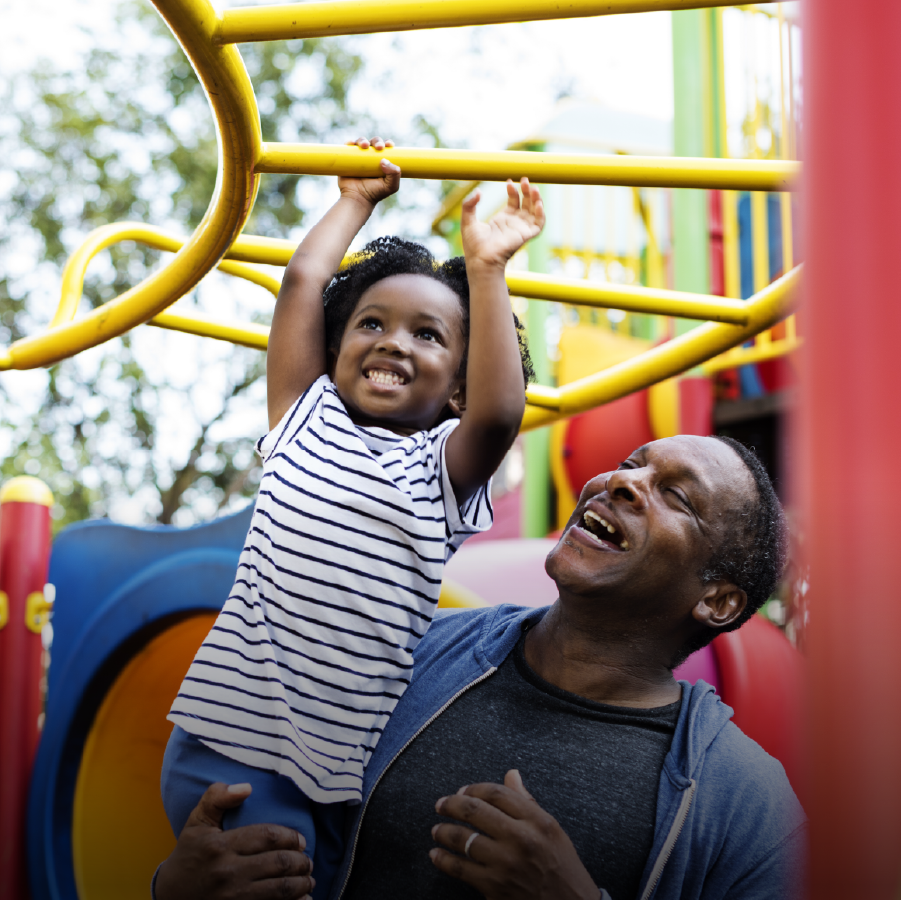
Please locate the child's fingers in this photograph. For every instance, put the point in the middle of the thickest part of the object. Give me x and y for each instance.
(468, 210)
(512, 196)
(361, 142)
(391, 173)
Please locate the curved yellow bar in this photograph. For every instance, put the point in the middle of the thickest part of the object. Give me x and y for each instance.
(765, 309)
(247, 334)
(320, 19)
(629, 297)
(107, 235)
(742, 356)
(231, 97)
(541, 168)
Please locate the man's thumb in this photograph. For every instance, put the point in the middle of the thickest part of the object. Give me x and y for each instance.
(216, 800)
(513, 780)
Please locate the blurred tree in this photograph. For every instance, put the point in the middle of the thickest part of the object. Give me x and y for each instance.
(153, 426)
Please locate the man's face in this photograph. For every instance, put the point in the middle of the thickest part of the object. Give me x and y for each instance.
(641, 535)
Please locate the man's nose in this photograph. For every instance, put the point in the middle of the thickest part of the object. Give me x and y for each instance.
(629, 485)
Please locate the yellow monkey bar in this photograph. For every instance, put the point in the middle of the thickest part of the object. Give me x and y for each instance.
(207, 37)
(540, 168)
(321, 19)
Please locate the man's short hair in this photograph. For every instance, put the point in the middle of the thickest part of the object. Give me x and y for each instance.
(753, 552)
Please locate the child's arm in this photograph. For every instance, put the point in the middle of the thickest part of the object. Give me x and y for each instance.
(297, 354)
(495, 393)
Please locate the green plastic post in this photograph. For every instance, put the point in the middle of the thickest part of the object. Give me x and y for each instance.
(536, 488)
(693, 135)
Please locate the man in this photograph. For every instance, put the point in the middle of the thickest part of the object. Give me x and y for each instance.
(617, 780)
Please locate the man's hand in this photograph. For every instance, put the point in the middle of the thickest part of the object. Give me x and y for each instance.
(519, 851)
(256, 862)
(493, 243)
(372, 190)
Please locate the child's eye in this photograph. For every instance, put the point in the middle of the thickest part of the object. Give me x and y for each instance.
(427, 334)
(370, 323)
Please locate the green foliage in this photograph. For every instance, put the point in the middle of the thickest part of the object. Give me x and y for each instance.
(136, 428)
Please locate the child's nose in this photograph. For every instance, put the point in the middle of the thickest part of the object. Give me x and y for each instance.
(393, 342)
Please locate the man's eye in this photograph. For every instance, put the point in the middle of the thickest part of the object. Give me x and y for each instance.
(681, 497)
(626, 464)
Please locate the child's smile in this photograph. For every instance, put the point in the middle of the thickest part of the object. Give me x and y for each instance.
(398, 365)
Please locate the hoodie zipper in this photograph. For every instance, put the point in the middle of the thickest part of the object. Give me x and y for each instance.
(667, 850)
(353, 852)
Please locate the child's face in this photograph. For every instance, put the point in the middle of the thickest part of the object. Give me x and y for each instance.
(400, 355)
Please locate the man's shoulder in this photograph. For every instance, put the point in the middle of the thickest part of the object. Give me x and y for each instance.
(756, 780)
(745, 827)
(740, 783)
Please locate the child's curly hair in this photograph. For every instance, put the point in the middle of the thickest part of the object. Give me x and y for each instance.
(388, 256)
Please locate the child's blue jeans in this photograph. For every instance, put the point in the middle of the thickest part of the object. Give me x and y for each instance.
(190, 767)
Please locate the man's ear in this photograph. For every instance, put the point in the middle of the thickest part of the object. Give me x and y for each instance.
(457, 402)
(721, 604)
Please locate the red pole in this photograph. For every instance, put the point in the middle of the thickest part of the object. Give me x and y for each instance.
(24, 556)
(851, 434)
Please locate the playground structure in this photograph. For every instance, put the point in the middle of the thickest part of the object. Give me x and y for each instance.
(853, 787)
(120, 651)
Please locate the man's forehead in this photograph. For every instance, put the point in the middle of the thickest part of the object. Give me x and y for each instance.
(705, 460)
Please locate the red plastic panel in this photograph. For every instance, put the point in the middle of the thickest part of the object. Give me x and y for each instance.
(695, 405)
(762, 679)
(598, 441)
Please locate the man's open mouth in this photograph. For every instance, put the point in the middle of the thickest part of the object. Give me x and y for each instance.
(385, 377)
(606, 532)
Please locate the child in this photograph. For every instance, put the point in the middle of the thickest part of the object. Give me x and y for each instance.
(390, 407)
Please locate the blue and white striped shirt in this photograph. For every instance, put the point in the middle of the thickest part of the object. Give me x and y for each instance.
(337, 583)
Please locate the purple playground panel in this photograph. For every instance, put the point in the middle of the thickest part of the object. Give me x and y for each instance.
(513, 572)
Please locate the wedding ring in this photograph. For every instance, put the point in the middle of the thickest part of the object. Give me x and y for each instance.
(469, 841)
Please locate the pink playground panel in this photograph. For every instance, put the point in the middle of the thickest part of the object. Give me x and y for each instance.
(513, 572)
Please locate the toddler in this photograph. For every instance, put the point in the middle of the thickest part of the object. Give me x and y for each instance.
(395, 388)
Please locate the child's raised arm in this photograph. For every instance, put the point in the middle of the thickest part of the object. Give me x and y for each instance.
(495, 393)
(297, 354)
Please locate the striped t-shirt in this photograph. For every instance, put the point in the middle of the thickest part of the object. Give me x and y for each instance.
(336, 585)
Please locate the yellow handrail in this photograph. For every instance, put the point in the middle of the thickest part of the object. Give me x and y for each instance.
(321, 19)
(276, 251)
(633, 298)
(765, 308)
(541, 168)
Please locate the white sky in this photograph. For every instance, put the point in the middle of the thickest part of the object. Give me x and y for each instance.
(485, 86)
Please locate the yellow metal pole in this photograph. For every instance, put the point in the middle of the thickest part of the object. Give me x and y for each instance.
(541, 168)
(633, 298)
(323, 19)
(785, 199)
(664, 361)
(731, 254)
(245, 333)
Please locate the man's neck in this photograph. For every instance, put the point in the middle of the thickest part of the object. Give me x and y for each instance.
(604, 662)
